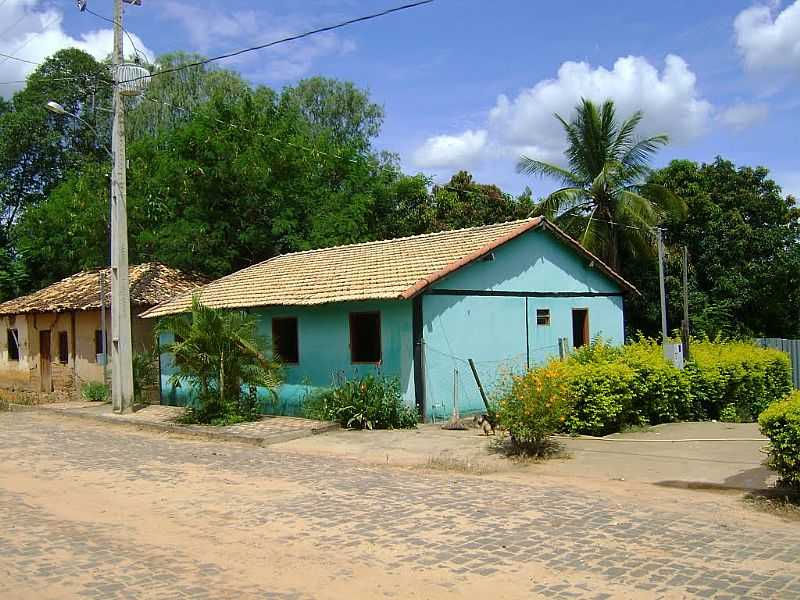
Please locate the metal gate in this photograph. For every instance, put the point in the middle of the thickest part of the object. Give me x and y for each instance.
(791, 347)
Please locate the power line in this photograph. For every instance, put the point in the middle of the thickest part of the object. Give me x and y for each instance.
(113, 22)
(290, 38)
(17, 22)
(29, 40)
(8, 56)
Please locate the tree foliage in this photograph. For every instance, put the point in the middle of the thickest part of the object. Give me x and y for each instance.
(605, 201)
(743, 238)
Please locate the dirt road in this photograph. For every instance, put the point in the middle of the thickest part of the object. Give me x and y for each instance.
(95, 511)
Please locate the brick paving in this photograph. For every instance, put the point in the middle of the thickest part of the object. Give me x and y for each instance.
(464, 530)
(268, 429)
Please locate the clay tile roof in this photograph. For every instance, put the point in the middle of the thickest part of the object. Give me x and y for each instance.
(390, 269)
(151, 283)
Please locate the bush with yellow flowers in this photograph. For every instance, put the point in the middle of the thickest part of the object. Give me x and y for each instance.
(537, 406)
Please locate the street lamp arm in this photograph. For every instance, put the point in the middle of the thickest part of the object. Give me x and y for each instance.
(56, 108)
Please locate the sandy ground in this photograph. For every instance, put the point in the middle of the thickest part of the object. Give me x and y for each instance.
(731, 459)
(88, 510)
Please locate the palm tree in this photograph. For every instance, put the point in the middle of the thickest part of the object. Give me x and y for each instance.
(217, 352)
(605, 202)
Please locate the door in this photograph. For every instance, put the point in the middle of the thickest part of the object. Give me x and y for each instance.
(580, 327)
(45, 361)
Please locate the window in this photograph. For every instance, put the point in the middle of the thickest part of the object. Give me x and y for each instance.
(98, 342)
(63, 347)
(543, 316)
(580, 327)
(284, 339)
(13, 344)
(365, 337)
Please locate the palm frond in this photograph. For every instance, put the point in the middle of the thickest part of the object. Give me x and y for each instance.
(559, 202)
(530, 166)
(669, 203)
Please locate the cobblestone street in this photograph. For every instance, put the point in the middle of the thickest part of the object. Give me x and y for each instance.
(94, 511)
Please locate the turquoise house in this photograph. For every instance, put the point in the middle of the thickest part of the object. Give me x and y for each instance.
(504, 296)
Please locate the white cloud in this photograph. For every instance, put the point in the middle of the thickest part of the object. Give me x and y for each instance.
(743, 115)
(451, 150)
(36, 32)
(769, 41)
(525, 124)
(211, 29)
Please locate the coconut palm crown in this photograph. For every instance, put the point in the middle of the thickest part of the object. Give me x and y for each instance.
(605, 202)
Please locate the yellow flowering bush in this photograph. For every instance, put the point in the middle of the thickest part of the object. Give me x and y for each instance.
(537, 405)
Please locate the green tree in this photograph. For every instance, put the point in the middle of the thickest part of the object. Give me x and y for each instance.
(743, 237)
(217, 352)
(605, 203)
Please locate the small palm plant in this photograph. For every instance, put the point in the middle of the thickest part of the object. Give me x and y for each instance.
(217, 353)
(605, 202)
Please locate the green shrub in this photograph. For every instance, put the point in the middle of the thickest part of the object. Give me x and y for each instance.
(369, 402)
(536, 406)
(781, 424)
(729, 414)
(661, 392)
(737, 373)
(94, 392)
(601, 395)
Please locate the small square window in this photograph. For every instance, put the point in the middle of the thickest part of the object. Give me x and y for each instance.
(543, 316)
(63, 347)
(284, 339)
(365, 337)
(13, 344)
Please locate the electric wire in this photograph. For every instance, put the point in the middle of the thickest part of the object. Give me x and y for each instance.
(284, 40)
(113, 22)
(17, 22)
(29, 40)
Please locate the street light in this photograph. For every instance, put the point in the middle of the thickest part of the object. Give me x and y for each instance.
(56, 108)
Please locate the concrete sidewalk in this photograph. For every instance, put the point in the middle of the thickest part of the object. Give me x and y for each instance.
(266, 431)
(732, 460)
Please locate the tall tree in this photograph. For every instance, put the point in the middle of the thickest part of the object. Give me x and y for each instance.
(743, 237)
(606, 202)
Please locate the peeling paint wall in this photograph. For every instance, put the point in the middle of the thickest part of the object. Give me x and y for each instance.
(82, 364)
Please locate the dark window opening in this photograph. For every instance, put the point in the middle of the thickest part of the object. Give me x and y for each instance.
(13, 344)
(98, 342)
(365, 337)
(543, 316)
(580, 327)
(284, 339)
(63, 347)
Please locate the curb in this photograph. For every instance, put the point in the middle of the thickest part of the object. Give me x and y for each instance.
(197, 431)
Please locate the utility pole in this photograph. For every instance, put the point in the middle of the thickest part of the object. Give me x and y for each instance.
(121, 344)
(664, 332)
(685, 322)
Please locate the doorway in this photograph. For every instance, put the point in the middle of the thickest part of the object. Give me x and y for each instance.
(580, 327)
(45, 373)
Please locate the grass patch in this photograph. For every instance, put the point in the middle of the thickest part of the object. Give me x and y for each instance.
(781, 503)
(457, 465)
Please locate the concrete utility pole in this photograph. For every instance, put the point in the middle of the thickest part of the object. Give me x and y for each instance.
(664, 331)
(685, 323)
(121, 344)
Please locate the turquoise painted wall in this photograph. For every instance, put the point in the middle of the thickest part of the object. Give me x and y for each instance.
(500, 333)
(324, 348)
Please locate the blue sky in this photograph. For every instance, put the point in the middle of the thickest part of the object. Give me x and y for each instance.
(473, 84)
